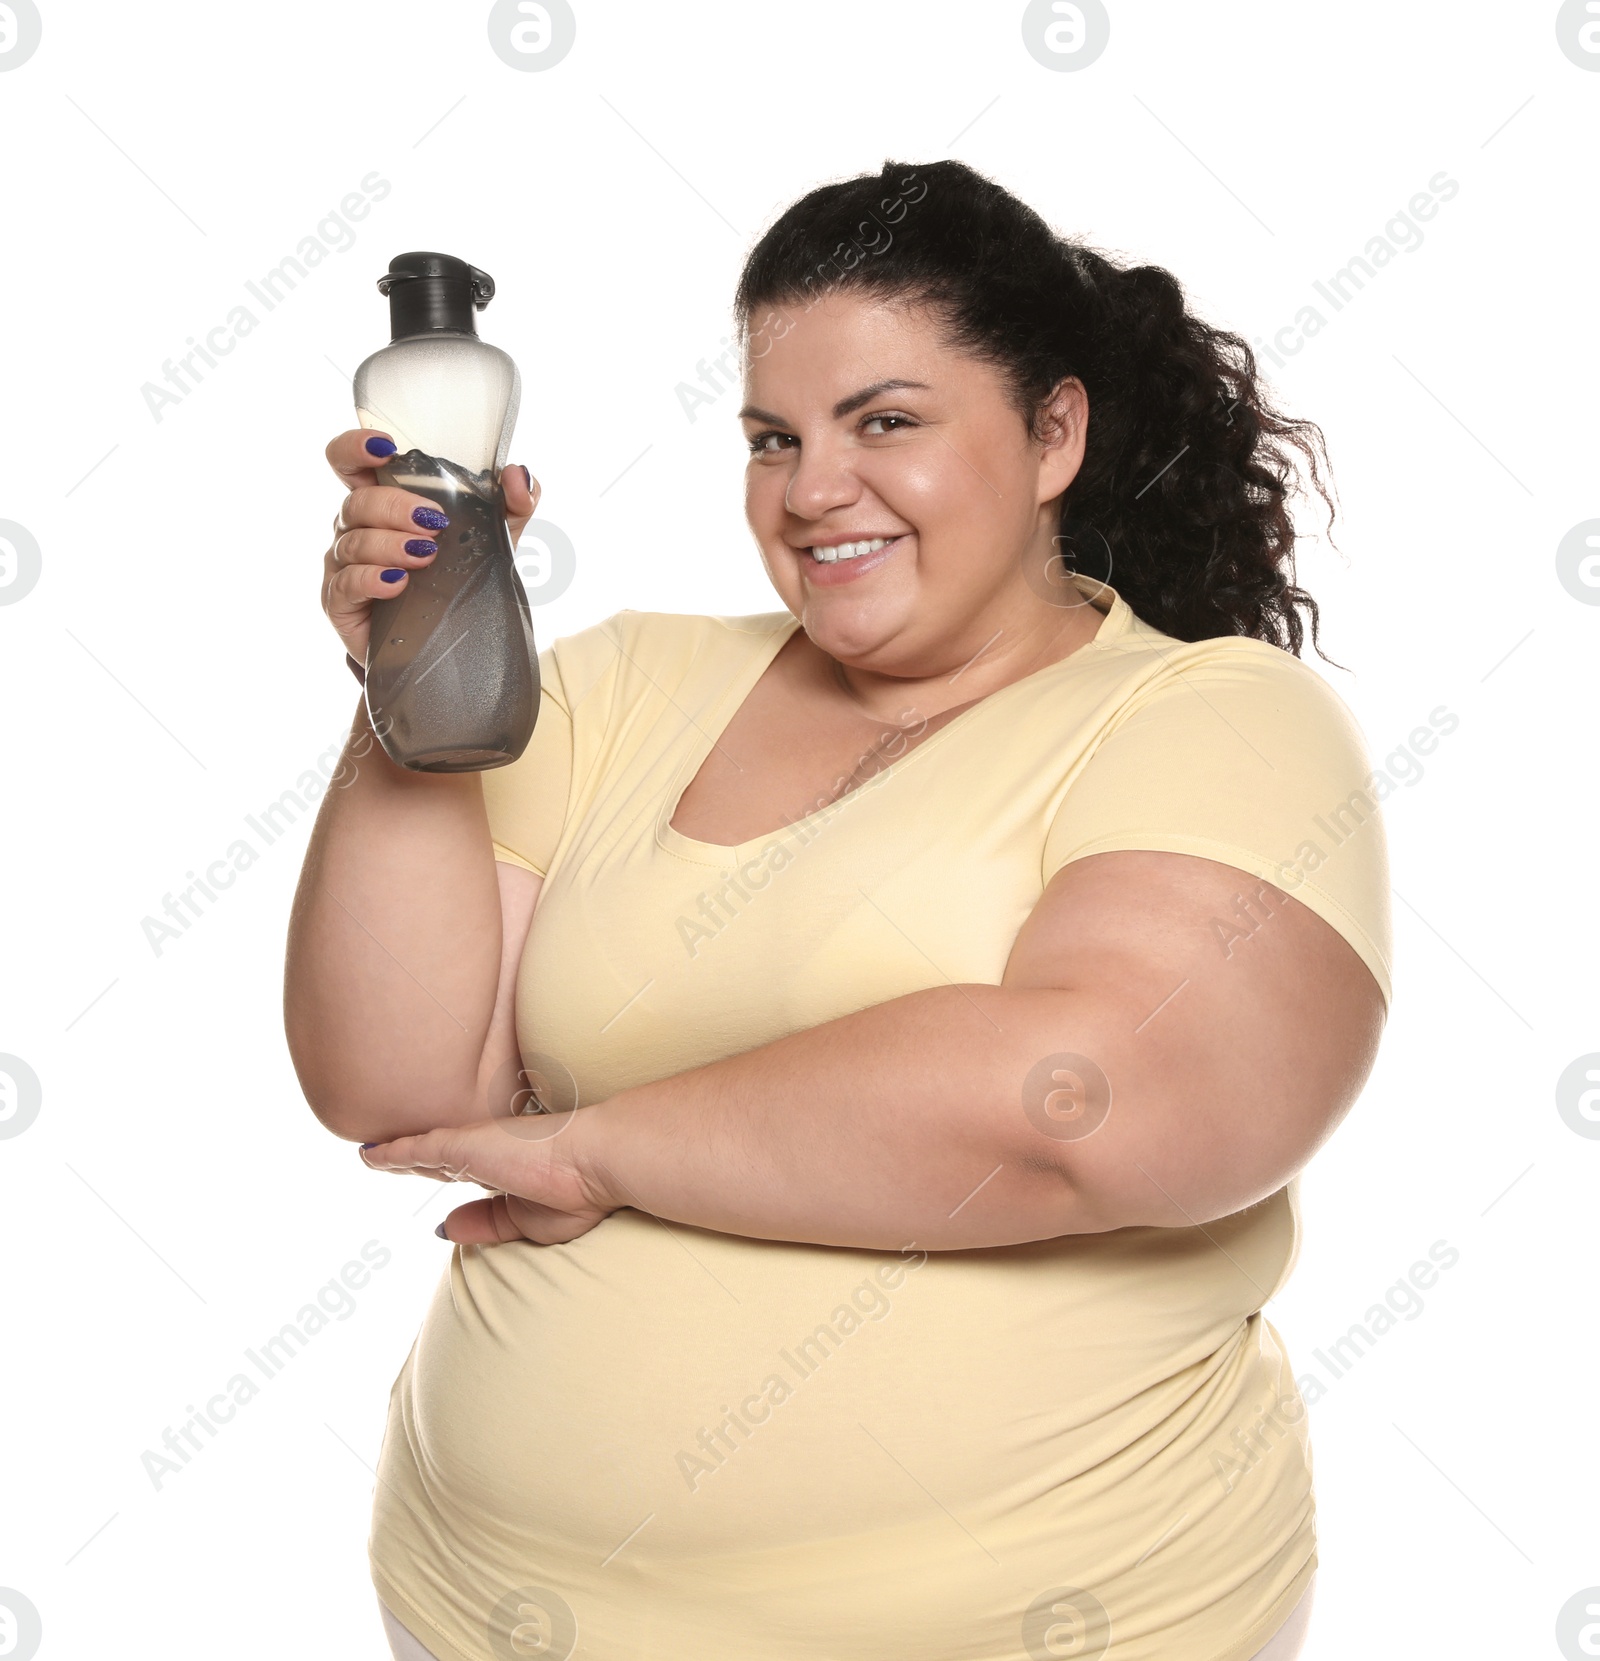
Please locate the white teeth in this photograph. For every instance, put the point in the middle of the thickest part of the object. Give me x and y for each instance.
(850, 550)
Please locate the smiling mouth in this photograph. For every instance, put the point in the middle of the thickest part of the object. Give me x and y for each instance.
(850, 550)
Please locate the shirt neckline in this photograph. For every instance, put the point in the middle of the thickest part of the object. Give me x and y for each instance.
(1114, 627)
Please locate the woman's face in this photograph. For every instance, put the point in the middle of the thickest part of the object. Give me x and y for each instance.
(864, 426)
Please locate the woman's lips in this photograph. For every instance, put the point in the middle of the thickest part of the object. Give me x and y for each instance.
(823, 575)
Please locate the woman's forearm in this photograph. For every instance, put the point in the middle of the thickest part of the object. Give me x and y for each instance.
(905, 1123)
(394, 946)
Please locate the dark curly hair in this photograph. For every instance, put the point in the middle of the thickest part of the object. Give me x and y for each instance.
(1180, 501)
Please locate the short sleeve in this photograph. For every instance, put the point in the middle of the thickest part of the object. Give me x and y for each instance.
(1240, 753)
(527, 799)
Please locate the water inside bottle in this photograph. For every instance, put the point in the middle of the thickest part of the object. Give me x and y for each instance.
(452, 675)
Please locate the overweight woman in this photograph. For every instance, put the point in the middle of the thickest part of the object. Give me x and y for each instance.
(888, 1028)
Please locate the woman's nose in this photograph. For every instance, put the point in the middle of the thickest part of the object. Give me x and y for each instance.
(822, 481)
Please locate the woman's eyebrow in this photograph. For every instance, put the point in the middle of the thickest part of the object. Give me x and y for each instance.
(845, 406)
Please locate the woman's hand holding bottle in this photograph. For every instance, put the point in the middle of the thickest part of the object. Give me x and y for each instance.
(381, 530)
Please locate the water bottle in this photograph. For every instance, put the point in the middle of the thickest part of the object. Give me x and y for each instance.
(452, 675)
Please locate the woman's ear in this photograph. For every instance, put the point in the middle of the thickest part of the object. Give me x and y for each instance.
(1063, 424)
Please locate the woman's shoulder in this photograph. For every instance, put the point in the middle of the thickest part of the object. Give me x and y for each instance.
(1238, 751)
(1238, 672)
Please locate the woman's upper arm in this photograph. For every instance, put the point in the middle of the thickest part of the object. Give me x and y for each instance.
(1225, 1030)
(1216, 905)
(499, 1073)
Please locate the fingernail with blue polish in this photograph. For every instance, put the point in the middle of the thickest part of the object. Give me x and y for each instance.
(430, 519)
(441, 1233)
(393, 576)
(380, 447)
(366, 1145)
(529, 477)
(420, 545)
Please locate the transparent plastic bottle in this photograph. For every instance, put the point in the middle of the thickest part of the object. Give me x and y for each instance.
(452, 675)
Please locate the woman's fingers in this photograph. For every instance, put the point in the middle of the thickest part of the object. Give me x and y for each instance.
(539, 1192)
(480, 1223)
(381, 534)
(446, 1153)
(521, 491)
(503, 1217)
(373, 519)
(347, 596)
(355, 455)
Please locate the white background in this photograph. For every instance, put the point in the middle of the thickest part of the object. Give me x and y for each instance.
(170, 672)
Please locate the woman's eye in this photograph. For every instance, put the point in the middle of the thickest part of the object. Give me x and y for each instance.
(772, 442)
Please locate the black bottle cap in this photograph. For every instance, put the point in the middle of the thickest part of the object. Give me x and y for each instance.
(433, 291)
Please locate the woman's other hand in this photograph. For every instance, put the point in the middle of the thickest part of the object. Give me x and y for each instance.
(543, 1192)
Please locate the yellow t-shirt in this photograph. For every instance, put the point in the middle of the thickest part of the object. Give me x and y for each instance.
(659, 1441)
